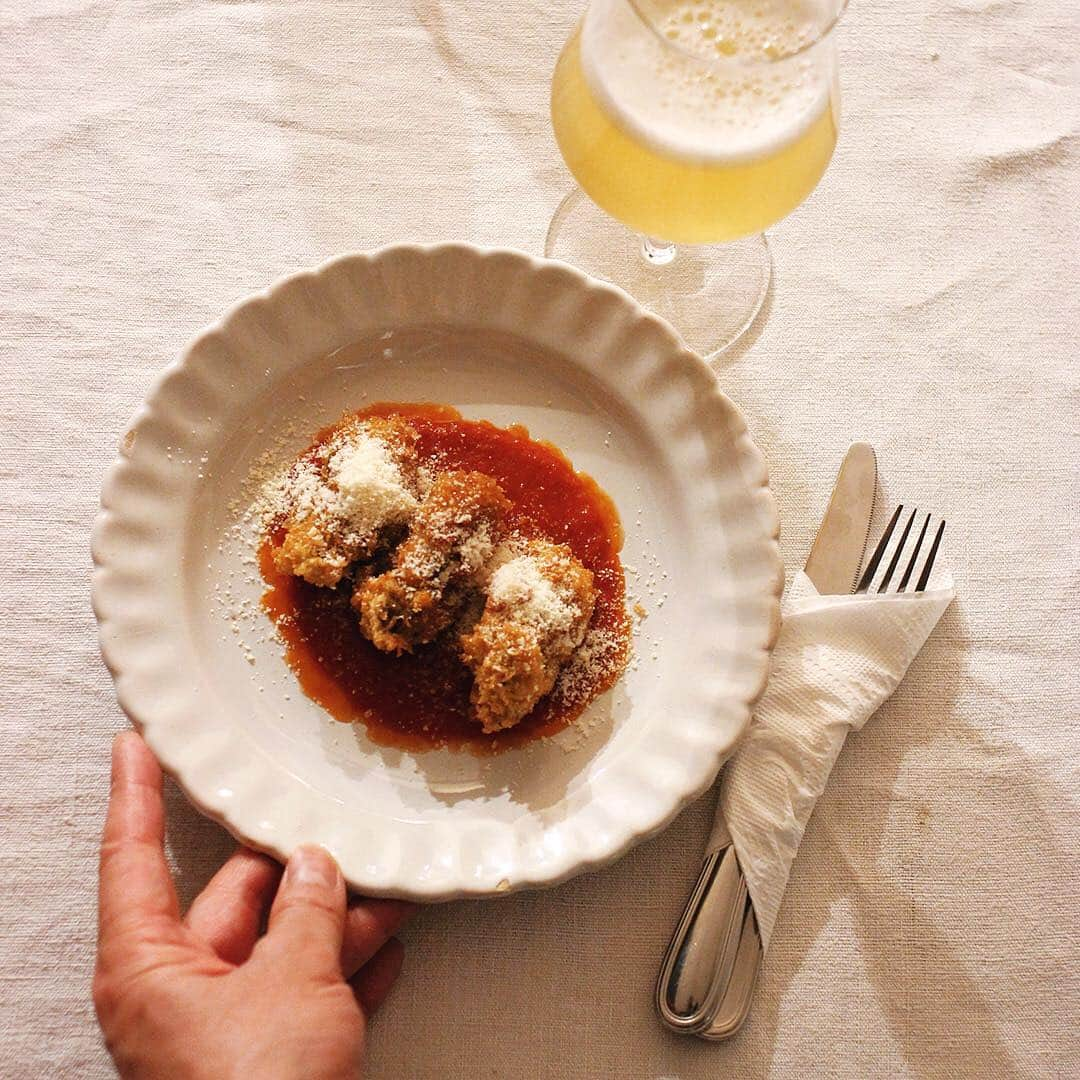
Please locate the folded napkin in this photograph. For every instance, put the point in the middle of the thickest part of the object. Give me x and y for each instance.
(837, 659)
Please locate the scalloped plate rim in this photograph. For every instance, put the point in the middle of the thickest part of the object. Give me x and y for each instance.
(107, 620)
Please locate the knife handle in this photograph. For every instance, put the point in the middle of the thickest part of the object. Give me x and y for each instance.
(707, 977)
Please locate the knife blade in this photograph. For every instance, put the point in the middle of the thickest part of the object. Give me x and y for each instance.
(840, 545)
(707, 977)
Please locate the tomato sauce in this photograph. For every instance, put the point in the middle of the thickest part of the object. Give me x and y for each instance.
(421, 701)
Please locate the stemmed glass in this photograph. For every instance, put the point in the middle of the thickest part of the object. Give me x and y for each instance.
(692, 122)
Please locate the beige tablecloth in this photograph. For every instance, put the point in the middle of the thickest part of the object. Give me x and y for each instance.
(160, 160)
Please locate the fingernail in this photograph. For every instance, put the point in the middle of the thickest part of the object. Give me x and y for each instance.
(314, 866)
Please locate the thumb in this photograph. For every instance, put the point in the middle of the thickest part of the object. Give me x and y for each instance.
(307, 919)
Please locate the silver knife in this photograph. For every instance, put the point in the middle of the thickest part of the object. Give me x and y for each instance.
(708, 973)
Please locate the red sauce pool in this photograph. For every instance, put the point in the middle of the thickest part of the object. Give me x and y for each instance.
(421, 701)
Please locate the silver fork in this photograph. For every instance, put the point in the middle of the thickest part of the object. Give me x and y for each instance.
(867, 580)
(721, 1014)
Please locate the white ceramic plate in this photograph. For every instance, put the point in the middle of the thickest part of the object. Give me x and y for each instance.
(502, 336)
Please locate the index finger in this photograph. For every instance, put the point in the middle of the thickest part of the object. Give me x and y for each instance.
(136, 892)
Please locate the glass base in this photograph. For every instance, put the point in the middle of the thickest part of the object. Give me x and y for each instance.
(711, 294)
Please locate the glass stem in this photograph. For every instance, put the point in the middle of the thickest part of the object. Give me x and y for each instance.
(657, 252)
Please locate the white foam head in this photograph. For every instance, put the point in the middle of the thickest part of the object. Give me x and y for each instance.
(710, 81)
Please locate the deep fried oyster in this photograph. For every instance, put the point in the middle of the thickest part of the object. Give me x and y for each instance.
(538, 609)
(452, 536)
(348, 499)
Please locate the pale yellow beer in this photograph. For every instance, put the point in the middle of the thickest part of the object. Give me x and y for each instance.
(697, 122)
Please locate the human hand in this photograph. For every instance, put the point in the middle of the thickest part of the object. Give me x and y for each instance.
(205, 995)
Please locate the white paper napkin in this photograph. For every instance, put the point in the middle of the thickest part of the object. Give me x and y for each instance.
(837, 659)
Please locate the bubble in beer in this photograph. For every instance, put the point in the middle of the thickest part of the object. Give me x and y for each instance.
(740, 95)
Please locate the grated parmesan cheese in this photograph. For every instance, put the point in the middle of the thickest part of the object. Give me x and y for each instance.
(476, 549)
(371, 491)
(521, 585)
(352, 487)
(596, 660)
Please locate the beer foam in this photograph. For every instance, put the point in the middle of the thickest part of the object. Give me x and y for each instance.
(718, 82)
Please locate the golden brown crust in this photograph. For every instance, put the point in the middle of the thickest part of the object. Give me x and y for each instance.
(310, 551)
(452, 535)
(515, 658)
(319, 546)
(511, 674)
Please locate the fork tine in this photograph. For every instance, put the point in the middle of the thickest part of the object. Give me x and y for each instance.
(924, 577)
(879, 553)
(897, 553)
(902, 587)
